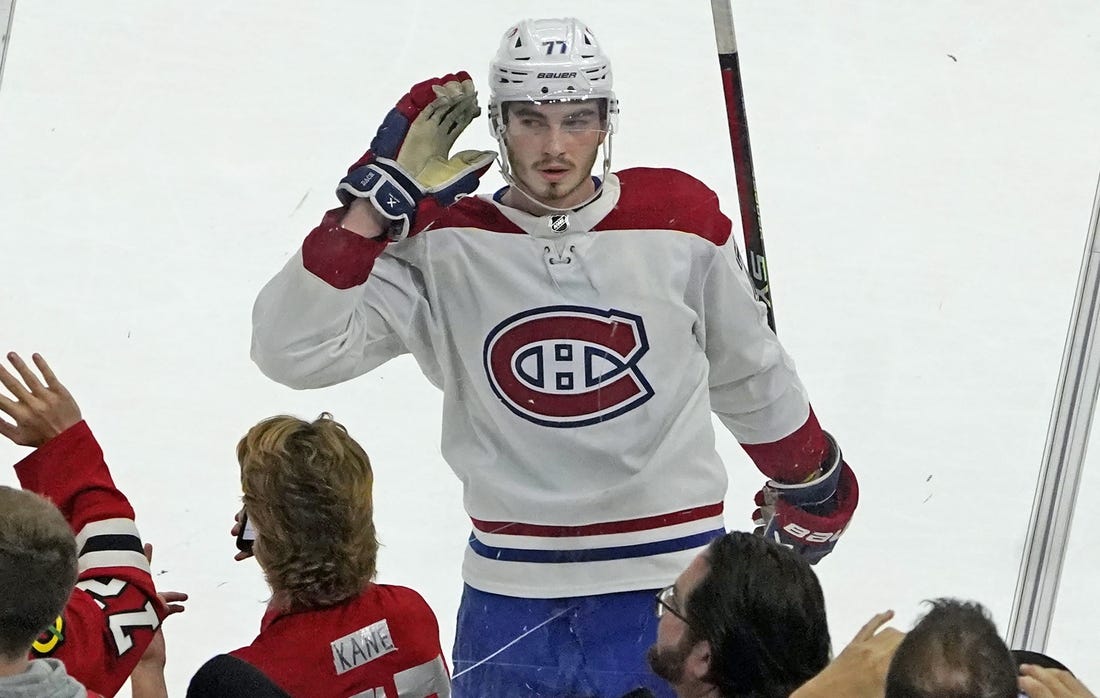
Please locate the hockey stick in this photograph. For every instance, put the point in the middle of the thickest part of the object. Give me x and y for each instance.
(742, 153)
(7, 14)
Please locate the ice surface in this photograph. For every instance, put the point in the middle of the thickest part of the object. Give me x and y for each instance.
(925, 174)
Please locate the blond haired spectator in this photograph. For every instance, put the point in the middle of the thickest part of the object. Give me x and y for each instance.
(329, 629)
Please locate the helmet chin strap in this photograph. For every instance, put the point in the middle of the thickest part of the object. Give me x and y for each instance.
(512, 182)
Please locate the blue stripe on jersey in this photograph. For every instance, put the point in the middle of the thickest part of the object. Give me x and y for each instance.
(595, 554)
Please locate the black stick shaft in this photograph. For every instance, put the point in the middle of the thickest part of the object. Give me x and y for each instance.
(742, 153)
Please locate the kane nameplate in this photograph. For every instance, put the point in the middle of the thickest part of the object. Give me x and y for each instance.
(363, 645)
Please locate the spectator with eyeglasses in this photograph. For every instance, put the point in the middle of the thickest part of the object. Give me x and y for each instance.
(747, 617)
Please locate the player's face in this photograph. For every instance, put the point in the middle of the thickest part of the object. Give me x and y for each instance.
(552, 148)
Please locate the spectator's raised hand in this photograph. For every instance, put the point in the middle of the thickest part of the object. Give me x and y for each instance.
(859, 671)
(1038, 682)
(41, 410)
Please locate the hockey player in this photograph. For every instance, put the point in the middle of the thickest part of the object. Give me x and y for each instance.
(582, 329)
(112, 614)
(329, 630)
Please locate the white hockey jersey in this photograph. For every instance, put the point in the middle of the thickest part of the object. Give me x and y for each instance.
(580, 357)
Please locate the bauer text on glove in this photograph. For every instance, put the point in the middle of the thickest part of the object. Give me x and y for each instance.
(811, 516)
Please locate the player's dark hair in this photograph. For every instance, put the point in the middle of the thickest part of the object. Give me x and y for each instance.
(37, 568)
(761, 609)
(954, 651)
(308, 493)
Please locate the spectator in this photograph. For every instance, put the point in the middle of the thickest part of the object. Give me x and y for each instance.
(328, 630)
(38, 558)
(746, 618)
(860, 671)
(954, 650)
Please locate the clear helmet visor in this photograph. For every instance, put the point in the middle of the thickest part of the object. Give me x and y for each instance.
(578, 109)
(533, 118)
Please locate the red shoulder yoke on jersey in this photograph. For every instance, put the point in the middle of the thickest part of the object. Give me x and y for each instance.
(644, 195)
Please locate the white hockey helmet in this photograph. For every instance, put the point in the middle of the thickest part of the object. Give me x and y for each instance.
(545, 60)
(548, 60)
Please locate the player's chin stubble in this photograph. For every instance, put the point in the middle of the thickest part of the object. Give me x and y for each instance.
(551, 193)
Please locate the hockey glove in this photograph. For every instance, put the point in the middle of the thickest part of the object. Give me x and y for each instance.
(408, 174)
(809, 517)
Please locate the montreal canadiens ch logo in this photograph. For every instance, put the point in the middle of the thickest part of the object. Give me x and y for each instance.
(568, 365)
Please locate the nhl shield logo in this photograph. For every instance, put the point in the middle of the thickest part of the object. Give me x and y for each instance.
(559, 223)
(568, 366)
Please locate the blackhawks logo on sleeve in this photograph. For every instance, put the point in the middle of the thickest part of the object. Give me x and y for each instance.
(50, 639)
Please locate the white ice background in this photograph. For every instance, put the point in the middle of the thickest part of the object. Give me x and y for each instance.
(925, 172)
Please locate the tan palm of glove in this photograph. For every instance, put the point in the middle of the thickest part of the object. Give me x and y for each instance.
(425, 152)
(408, 174)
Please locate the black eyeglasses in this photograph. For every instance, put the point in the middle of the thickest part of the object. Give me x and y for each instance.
(665, 599)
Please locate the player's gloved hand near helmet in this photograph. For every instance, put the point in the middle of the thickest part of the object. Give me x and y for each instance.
(408, 174)
(809, 517)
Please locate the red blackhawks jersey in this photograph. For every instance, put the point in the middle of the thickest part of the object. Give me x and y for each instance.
(114, 610)
(384, 643)
(580, 356)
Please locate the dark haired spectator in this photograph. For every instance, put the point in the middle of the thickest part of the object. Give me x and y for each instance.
(329, 630)
(936, 660)
(746, 618)
(40, 560)
(954, 650)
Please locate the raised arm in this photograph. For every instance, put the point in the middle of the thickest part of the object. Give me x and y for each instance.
(114, 611)
(341, 307)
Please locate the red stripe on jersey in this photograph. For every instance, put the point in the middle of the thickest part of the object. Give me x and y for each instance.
(512, 528)
(667, 199)
(794, 457)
